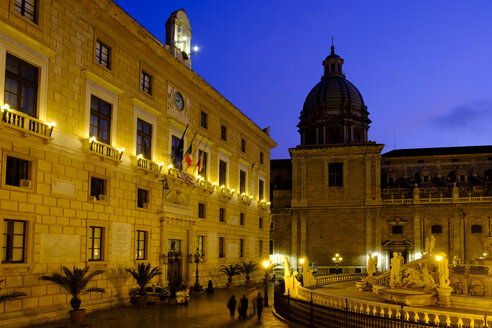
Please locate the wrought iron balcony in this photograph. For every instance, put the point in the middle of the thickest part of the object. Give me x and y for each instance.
(26, 124)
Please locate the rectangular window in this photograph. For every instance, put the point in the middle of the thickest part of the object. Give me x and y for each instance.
(18, 172)
(146, 83)
(95, 243)
(271, 247)
(141, 245)
(103, 54)
(203, 120)
(144, 139)
(261, 189)
(243, 145)
(222, 173)
(200, 245)
(242, 181)
(437, 228)
(142, 198)
(26, 8)
(221, 247)
(175, 155)
(223, 133)
(261, 247)
(21, 85)
(100, 126)
(222, 215)
(202, 163)
(476, 228)
(335, 174)
(397, 230)
(241, 247)
(241, 219)
(201, 210)
(98, 188)
(261, 157)
(260, 223)
(14, 239)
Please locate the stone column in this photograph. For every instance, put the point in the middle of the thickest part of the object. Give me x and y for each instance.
(303, 230)
(293, 252)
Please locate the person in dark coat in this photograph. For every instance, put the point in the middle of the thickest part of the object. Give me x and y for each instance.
(244, 307)
(259, 305)
(231, 305)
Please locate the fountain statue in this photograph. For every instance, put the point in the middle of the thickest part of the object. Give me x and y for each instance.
(308, 277)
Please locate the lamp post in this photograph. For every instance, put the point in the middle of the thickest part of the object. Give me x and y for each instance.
(197, 258)
(266, 265)
(337, 259)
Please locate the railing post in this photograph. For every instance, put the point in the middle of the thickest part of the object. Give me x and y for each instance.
(401, 316)
(288, 305)
(485, 325)
(346, 313)
(311, 314)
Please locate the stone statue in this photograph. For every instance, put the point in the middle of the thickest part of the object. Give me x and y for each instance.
(429, 281)
(371, 265)
(395, 269)
(432, 244)
(426, 246)
(308, 277)
(286, 267)
(443, 271)
(413, 279)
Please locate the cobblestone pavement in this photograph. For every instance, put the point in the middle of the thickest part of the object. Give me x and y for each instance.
(202, 311)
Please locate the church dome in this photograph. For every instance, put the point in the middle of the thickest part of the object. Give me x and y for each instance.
(334, 111)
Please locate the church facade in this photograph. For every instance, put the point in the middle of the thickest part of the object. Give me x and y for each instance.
(338, 194)
(97, 118)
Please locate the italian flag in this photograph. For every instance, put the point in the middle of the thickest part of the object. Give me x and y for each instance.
(187, 158)
(200, 162)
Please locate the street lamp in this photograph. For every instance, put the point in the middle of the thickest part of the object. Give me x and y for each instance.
(337, 259)
(266, 265)
(197, 258)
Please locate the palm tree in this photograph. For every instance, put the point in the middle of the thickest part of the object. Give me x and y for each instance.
(10, 295)
(248, 269)
(230, 271)
(75, 283)
(143, 275)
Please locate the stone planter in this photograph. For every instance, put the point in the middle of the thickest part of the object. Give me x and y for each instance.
(77, 316)
(230, 285)
(141, 301)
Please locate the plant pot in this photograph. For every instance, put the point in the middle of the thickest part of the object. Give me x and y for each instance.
(230, 285)
(77, 316)
(141, 301)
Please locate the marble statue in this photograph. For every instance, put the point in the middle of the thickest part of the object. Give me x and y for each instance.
(372, 263)
(308, 277)
(286, 267)
(290, 279)
(395, 269)
(432, 244)
(443, 271)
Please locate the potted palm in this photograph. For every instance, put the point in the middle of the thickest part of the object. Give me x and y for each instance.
(230, 271)
(143, 275)
(75, 283)
(10, 295)
(248, 269)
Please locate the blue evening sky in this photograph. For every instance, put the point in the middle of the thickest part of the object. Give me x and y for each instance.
(424, 68)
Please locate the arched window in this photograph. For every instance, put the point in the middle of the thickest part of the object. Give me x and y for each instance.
(357, 135)
(310, 136)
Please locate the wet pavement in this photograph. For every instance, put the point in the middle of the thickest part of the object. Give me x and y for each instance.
(202, 311)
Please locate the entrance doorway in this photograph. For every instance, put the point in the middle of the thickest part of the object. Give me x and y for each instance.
(174, 263)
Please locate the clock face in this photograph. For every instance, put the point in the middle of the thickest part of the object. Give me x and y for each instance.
(178, 101)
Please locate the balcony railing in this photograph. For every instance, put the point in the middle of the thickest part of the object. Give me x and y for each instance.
(104, 150)
(148, 165)
(26, 124)
(437, 200)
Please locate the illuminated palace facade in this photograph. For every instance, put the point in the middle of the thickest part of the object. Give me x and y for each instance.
(93, 111)
(339, 194)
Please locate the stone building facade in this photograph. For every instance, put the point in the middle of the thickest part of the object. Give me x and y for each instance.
(339, 194)
(93, 111)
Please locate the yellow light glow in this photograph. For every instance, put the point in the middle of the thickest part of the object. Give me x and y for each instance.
(121, 150)
(341, 259)
(185, 38)
(439, 258)
(337, 255)
(333, 259)
(222, 186)
(215, 183)
(170, 166)
(301, 260)
(266, 264)
(243, 194)
(250, 197)
(160, 164)
(484, 254)
(92, 139)
(268, 203)
(196, 48)
(233, 190)
(5, 107)
(139, 156)
(52, 124)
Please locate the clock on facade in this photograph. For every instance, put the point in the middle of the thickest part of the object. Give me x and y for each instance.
(178, 101)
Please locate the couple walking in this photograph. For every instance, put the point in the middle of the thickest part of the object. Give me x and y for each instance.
(243, 306)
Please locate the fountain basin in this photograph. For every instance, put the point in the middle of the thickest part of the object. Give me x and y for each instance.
(408, 297)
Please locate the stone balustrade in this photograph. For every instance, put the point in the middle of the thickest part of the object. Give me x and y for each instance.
(26, 124)
(148, 165)
(105, 151)
(437, 200)
(332, 278)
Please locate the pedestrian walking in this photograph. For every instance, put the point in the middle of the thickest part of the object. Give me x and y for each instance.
(244, 307)
(252, 297)
(231, 305)
(259, 305)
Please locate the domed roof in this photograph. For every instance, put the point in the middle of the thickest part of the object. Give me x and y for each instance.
(334, 111)
(333, 95)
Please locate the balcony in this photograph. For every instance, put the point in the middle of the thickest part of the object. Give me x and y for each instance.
(264, 205)
(206, 185)
(26, 124)
(105, 151)
(147, 165)
(245, 198)
(226, 192)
